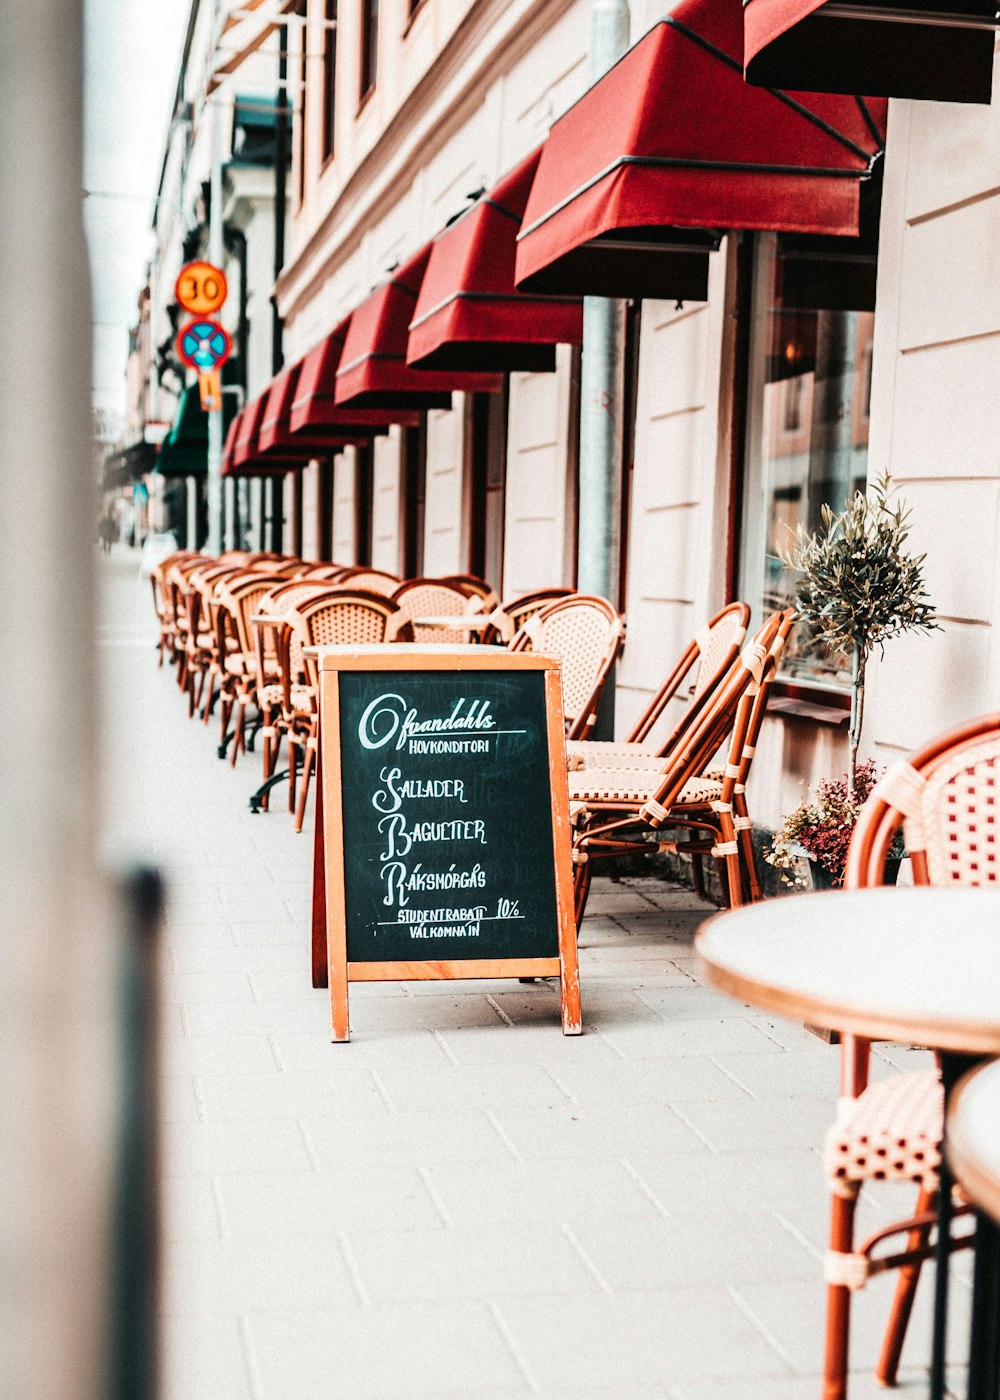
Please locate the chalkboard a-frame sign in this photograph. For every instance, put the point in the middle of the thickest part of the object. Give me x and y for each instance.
(442, 821)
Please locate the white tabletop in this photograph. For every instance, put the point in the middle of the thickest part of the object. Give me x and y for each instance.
(974, 1137)
(918, 964)
(469, 622)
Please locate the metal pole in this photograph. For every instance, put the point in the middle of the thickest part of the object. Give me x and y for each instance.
(213, 544)
(600, 372)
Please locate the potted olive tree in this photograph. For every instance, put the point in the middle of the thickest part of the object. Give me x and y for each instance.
(858, 588)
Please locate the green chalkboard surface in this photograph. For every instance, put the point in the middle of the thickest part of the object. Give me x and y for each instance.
(446, 816)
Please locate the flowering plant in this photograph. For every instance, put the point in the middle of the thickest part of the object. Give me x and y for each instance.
(821, 827)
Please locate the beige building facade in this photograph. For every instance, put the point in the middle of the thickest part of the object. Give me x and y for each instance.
(715, 433)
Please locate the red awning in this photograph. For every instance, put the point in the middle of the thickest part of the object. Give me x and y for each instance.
(469, 314)
(243, 454)
(276, 435)
(246, 426)
(638, 181)
(373, 372)
(234, 463)
(313, 407)
(936, 49)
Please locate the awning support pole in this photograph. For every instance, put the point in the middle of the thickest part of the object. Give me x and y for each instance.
(600, 373)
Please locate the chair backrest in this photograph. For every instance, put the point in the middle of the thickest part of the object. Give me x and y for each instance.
(947, 797)
(509, 616)
(727, 715)
(474, 587)
(322, 571)
(285, 596)
(586, 633)
(432, 597)
(344, 617)
(238, 598)
(752, 710)
(711, 652)
(371, 580)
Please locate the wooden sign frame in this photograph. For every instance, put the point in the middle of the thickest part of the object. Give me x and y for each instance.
(329, 931)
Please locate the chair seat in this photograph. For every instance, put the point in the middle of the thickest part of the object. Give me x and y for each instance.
(603, 753)
(241, 663)
(633, 785)
(270, 695)
(890, 1132)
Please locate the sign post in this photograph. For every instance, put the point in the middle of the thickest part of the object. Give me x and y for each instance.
(203, 344)
(443, 845)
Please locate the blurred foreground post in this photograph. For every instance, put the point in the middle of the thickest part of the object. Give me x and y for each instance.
(57, 956)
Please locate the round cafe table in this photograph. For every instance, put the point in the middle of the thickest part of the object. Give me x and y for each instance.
(973, 1130)
(915, 965)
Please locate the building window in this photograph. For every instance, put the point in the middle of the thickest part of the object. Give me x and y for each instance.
(369, 46)
(329, 77)
(808, 390)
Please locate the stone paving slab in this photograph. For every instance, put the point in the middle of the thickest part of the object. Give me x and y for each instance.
(462, 1202)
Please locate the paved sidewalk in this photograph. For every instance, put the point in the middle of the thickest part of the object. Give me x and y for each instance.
(462, 1202)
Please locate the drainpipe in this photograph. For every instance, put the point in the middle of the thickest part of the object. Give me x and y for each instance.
(600, 371)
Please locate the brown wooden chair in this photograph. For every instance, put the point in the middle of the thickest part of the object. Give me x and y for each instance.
(507, 617)
(268, 625)
(163, 602)
(345, 617)
(474, 587)
(184, 610)
(947, 798)
(330, 572)
(203, 661)
(586, 634)
(372, 580)
(238, 599)
(709, 655)
(620, 810)
(432, 597)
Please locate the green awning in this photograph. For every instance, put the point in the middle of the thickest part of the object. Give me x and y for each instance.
(185, 448)
(128, 464)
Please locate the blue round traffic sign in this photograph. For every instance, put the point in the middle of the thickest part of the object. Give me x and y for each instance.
(203, 344)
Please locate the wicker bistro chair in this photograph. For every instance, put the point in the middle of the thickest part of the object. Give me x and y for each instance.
(330, 572)
(619, 810)
(184, 602)
(432, 597)
(349, 616)
(202, 660)
(268, 624)
(372, 580)
(947, 797)
(710, 654)
(163, 602)
(474, 587)
(508, 617)
(238, 599)
(586, 634)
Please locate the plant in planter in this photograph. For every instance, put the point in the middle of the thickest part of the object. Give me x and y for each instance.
(820, 829)
(859, 587)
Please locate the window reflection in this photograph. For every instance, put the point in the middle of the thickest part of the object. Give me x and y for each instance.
(808, 430)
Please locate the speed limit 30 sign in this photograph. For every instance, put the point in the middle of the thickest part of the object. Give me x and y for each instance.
(201, 288)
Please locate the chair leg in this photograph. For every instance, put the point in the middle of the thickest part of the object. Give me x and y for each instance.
(838, 1302)
(293, 770)
(307, 769)
(748, 855)
(241, 714)
(902, 1302)
(583, 873)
